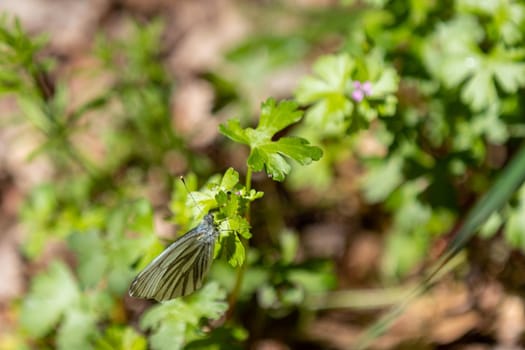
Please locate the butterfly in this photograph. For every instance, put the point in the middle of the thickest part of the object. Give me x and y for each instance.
(180, 269)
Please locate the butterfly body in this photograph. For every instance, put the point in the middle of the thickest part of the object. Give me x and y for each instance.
(180, 269)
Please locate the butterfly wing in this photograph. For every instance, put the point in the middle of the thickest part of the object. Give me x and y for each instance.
(180, 269)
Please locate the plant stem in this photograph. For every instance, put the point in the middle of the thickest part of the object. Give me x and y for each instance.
(232, 300)
(248, 186)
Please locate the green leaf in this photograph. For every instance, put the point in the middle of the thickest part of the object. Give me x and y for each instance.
(506, 17)
(121, 338)
(76, 330)
(296, 148)
(275, 165)
(168, 334)
(386, 84)
(462, 60)
(382, 179)
(453, 60)
(251, 195)
(480, 91)
(92, 258)
(229, 179)
(490, 124)
(230, 244)
(176, 322)
(237, 224)
(234, 131)
(509, 69)
(52, 293)
(232, 249)
(229, 204)
(332, 73)
(277, 117)
(327, 90)
(268, 154)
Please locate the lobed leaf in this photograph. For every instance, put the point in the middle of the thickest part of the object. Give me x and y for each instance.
(267, 154)
(52, 293)
(276, 117)
(234, 131)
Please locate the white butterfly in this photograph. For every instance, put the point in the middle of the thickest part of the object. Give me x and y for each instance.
(180, 269)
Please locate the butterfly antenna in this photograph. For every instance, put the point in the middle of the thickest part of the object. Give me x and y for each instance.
(189, 193)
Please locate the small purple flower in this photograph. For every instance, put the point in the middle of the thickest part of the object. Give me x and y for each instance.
(367, 88)
(361, 90)
(358, 95)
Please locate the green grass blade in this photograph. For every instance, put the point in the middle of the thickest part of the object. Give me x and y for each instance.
(505, 186)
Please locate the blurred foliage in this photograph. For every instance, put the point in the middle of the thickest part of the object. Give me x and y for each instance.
(176, 322)
(436, 85)
(96, 208)
(444, 89)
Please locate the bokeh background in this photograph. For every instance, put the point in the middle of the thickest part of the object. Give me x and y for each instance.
(105, 103)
